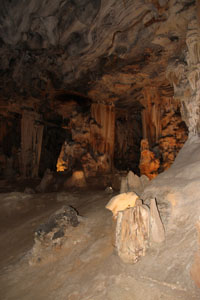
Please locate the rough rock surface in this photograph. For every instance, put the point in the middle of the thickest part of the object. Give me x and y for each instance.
(133, 183)
(121, 202)
(149, 164)
(87, 266)
(132, 233)
(82, 42)
(176, 191)
(53, 234)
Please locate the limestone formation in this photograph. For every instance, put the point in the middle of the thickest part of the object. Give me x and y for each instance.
(124, 185)
(31, 143)
(157, 232)
(84, 84)
(132, 233)
(121, 202)
(184, 74)
(102, 86)
(133, 183)
(195, 269)
(149, 164)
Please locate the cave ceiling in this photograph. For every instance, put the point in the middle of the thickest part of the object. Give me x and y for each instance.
(103, 50)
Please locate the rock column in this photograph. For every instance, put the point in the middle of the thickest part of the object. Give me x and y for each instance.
(31, 143)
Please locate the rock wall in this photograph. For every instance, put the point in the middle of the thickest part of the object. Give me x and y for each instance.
(184, 73)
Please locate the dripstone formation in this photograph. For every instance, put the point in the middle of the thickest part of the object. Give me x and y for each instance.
(83, 83)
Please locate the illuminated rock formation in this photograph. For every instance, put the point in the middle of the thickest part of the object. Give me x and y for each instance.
(149, 164)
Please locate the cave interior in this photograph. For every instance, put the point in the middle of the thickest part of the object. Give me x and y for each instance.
(90, 90)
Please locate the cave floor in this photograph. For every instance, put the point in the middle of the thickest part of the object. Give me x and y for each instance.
(87, 266)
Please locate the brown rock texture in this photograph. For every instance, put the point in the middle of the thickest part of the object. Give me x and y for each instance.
(149, 164)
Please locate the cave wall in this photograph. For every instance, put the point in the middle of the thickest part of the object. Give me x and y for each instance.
(184, 73)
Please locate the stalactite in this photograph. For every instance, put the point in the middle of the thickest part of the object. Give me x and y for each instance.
(102, 133)
(151, 115)
(31, 143)
(163, 127)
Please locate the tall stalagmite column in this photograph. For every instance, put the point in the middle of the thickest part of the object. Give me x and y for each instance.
(31, 143)
(103, 130)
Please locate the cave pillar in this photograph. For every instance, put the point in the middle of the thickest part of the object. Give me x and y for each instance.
(31, 143)
(151, 124)
(102, 131)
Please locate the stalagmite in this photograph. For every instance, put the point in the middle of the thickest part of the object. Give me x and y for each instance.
(132, 233)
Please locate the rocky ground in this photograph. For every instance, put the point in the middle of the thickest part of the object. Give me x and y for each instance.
(87, 266)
